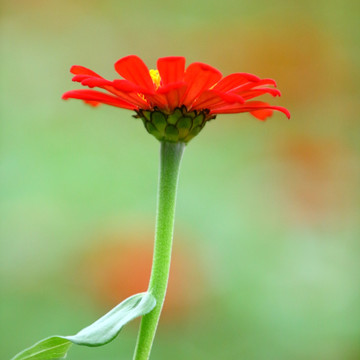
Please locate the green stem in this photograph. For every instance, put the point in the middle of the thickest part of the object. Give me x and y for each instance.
(170, 159)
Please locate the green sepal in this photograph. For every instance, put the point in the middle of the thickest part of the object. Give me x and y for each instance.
(175, 116)
(194, 132)
(153, 130)
(184, 125)
(171, 133)
(146, 114)
(178, 126)
(158, 119)
(198, 120)
(99, 333)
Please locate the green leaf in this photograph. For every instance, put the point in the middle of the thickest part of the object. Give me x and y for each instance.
(54, 347)
(108, 327)
(99, 333)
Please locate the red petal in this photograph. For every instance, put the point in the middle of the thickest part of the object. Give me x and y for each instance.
(234, 80)
(92, 103)
(80, 78)
(253, 85)
(171, 69)
(81, 70)
(127, 86)
(132, 68)
(130, 92)
(258, 92)
(124, 89)
(250, 106)
(97, 96)
(199, 77)
(262, 114)
(156, 100)
(173, 93)
(211, 98)
(95, 82)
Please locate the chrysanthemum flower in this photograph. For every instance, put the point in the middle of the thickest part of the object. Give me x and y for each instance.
(175, 103)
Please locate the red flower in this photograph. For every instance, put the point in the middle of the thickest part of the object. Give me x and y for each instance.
(184, 98)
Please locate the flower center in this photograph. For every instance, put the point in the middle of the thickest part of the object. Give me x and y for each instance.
(155, 77)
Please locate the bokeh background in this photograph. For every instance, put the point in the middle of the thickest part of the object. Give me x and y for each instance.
(266, 258)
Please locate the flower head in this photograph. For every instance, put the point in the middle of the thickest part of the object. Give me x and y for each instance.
(175, 103)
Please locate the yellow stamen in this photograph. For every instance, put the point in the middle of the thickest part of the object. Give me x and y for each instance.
(155, 76)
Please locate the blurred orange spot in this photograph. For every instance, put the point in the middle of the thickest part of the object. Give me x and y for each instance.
(319, 178)
(120, 267)
(306, 61)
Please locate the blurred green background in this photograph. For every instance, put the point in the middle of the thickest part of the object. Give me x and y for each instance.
(266, 261)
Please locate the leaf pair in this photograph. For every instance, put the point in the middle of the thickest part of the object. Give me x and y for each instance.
(99, 333)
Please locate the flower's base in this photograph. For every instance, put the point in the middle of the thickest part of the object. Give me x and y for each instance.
(179, 126)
